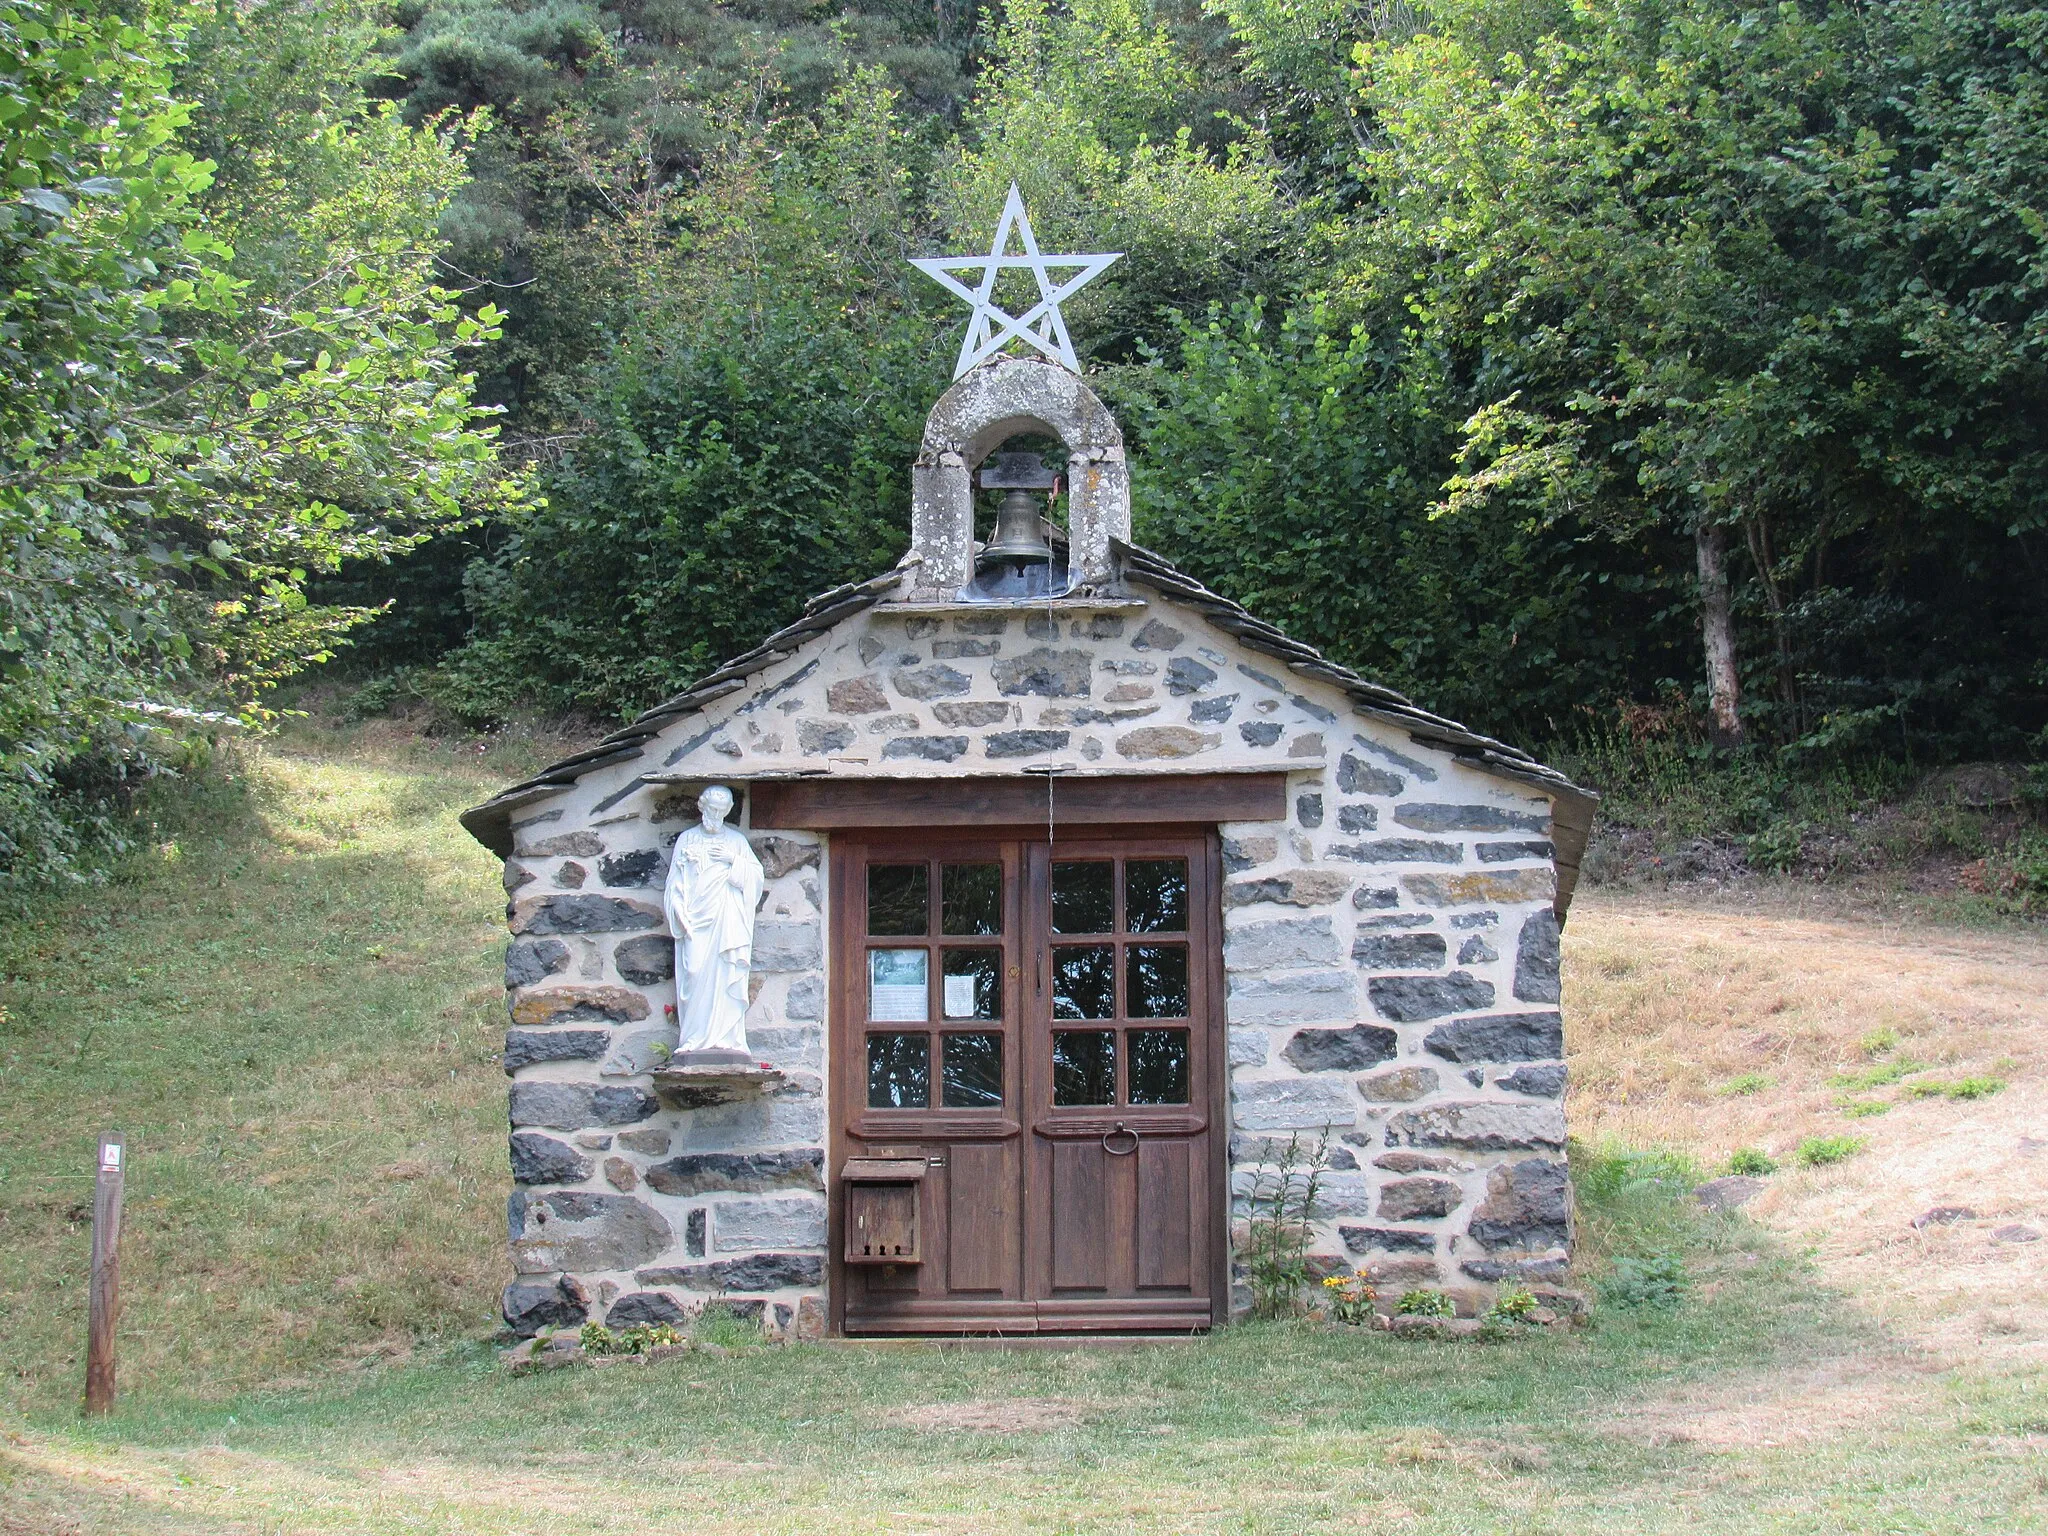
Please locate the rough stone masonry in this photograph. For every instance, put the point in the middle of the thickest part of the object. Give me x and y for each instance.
(1391, 944)
(1391, 954)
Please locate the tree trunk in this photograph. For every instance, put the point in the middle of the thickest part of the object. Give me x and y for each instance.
(1717, 631)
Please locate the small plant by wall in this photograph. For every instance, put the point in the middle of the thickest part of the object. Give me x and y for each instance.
(1424, 1303)
(1351, 1299)
(1283, 1203)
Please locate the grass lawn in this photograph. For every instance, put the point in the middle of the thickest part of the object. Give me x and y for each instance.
(291, 1006)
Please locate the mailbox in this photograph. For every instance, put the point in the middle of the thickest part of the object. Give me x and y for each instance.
(881, 1209)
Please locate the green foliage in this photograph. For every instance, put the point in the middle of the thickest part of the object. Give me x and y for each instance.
(635, 1339)
(747, 441)
(1351, 1299)
(1610, 1171)
(190, 429)
(1961, 1088)
(1633, 1199)
(1752, 1161)
(1280, 1206)
(1328, 537)
(1424, 1303)
(1744, 1084)
(1777, 847)
(1820, 1151)
(1880, 1041)
(1514, 1304)
(1880, 1075)
(718, 1324)
(1704, 266)
(1654, 1281)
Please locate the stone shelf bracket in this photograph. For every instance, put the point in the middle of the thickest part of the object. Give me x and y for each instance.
(688, 1084)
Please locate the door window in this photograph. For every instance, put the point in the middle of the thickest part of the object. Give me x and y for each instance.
(1131, 969)
(934, 982)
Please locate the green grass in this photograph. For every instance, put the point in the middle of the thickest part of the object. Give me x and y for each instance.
(291, 1007)
(1882, 1075)
(1744, 1085)
(1819, 1151)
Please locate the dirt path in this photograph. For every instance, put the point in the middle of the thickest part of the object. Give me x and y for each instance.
(1712, 1029)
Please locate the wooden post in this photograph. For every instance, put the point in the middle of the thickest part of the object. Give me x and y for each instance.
(106, 1275)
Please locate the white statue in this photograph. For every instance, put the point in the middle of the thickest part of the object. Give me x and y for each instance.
(714, 885)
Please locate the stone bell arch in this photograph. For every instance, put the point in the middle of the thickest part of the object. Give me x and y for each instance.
(992, 403)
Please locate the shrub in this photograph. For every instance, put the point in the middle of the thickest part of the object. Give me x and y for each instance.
(1421, 1303)
(1752, 1161)
(1819, 1151)
(1880, 1040)
(1776, 848)
(1863, 1109)
(1743, 1084)
(1610, 1171)
(1646, 1282)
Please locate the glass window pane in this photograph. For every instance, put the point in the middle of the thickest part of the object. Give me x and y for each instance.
(1084, 898)
(899, 899)
(1156, 895)
(899, 1071)
(1084, 981)
(973, 1072)
(1159, 1066)
(1084, 1066)
(1156, 981)
(973, 900)
(898, 992)
(973, 984)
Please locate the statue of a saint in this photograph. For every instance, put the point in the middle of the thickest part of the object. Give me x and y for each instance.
(714, 885)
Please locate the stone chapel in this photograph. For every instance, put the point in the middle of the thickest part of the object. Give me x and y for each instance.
(1084, 891)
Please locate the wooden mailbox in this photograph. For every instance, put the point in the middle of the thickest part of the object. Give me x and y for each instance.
(881, 1209)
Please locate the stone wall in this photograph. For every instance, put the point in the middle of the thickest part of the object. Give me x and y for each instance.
(623, 1209)
(1390, 951)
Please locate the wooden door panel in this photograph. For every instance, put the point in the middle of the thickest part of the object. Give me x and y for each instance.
(1166, 1254)
(1037, 1215)
(981, 1216)
(1082, 1229)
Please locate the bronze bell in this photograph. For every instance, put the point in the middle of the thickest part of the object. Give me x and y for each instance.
(1019, 534)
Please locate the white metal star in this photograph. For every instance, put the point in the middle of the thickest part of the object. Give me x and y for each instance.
(991, 327)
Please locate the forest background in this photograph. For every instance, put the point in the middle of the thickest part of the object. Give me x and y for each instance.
(1624, 377)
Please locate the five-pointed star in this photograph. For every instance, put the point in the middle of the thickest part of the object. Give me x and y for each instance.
(990, 327)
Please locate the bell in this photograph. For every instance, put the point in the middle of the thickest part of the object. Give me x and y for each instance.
(1018, 537)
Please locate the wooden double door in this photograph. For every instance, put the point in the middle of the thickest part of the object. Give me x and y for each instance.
(1034, 1030)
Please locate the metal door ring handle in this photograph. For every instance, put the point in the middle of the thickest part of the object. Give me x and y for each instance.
(1120, 1130)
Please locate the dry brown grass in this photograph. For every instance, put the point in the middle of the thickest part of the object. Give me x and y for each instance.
(1667, 1004)
(1013, 1416)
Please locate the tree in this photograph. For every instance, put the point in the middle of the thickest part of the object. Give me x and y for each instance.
(188, 431)
(1683, 247)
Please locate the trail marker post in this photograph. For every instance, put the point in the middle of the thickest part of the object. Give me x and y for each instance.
(106, 1274)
